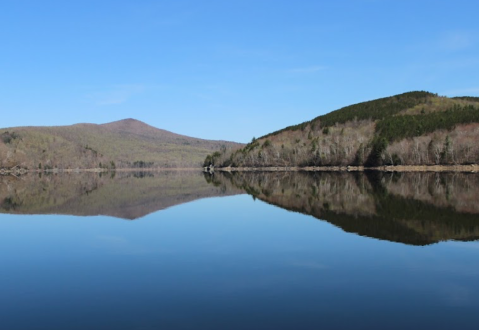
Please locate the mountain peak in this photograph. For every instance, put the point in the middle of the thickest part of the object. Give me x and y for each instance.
(131, 125)
(129, 120)
(126, 121)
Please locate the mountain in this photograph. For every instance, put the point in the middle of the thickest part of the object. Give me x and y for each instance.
(415, 128)
(122, 144)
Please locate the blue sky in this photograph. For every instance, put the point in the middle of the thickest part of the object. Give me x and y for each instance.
(226, 69)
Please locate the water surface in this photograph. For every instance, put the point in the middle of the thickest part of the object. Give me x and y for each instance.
(226, 252)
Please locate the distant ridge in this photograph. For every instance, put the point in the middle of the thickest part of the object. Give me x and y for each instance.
(137, 127)
(127, 143)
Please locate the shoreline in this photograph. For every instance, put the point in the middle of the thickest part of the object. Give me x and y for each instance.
(19, 171)
(473, 168)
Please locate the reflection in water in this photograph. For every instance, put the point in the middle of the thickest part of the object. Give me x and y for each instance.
(128, 195)
(233, 263)
(411, 208)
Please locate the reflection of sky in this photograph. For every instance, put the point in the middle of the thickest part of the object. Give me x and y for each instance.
(226, 263)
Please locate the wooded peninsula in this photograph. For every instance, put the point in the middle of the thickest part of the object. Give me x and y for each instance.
(411, 131)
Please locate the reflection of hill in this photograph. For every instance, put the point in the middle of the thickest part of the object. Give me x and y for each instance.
(128, 195)
(411, 208)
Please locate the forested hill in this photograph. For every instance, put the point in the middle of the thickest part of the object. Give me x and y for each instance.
(126, 143)
(415, 128)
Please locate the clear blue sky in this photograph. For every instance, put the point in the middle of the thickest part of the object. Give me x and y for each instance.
(226, 69)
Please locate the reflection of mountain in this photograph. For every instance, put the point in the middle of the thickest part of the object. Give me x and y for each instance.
(411, 208)
(128, 195)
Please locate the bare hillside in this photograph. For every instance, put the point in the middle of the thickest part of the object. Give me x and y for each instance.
(415, 128)
(121, 144)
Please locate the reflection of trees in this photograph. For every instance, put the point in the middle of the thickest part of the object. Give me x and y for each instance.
(128, 195)
(412, 208)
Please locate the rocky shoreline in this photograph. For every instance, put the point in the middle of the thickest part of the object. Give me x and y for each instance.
(19, 171)
(398, 168)
(472, 168)
(13, 171)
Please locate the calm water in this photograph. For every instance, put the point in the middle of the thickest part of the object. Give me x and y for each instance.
(194, 251)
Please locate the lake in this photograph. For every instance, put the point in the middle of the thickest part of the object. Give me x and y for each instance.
(192, 250)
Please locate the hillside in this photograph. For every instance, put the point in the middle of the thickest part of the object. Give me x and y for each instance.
(121, 144)
(415, 128)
